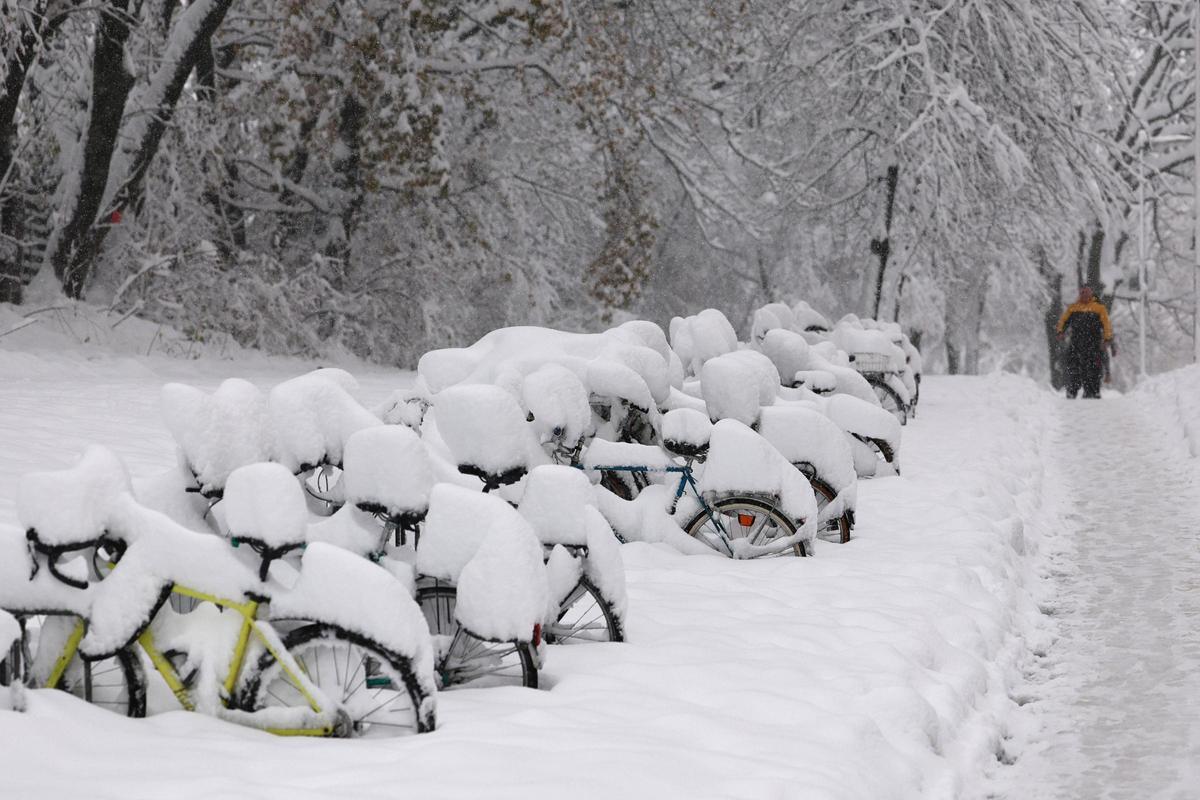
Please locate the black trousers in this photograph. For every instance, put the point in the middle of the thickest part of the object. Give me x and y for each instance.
(1084, 371)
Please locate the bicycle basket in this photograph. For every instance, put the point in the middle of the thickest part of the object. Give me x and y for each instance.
(871, 362)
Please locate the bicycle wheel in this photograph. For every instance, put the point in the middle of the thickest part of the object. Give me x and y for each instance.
(323, 489)
(380, 696)
(463, 659)
(10, 660)
(838, 528)
(117, 683)
(889, 399)
(625, 485)
(748, 519)
(585, 616)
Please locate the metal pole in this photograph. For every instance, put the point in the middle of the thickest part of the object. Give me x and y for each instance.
(1196, 183)
(1141, 257)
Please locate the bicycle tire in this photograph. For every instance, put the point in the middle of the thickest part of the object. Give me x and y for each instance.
(118, 682)
(367, 673)
(839, 526)
(10, 665)
(729, 507)
(464, 659)
(889, 400)
(585, 615)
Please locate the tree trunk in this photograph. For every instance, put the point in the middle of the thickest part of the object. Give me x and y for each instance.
(1081, 258)
(111, 84)
(13, 272)
(1050, 318)
(965, 303)
(1095, 260)
(190, 39)
(899, 297)
(882, 246)
(352, 117)
(224, 176)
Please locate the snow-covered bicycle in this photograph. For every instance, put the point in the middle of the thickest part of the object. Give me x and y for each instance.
(738, 523)
(311, 658)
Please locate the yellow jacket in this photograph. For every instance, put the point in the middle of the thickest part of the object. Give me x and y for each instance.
(1092, 306)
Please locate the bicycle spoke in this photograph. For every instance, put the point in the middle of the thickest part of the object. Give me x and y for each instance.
(362, 685)
(753, 534)
(384, 704)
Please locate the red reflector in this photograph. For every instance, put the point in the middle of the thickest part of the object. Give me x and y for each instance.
(537, 635)
(745, 520)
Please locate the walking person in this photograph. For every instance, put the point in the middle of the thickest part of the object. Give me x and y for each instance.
(1088, 334)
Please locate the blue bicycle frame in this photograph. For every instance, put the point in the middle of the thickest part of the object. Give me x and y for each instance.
(686, 480)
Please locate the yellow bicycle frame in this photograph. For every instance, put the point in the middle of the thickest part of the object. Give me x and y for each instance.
(162, 665)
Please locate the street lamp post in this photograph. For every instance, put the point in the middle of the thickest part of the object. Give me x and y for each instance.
(1196, 181)
(1143, 143)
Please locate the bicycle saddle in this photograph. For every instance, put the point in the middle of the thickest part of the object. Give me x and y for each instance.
(819, 381)
(218, 432)
(265, 509)
(486, 433)
(387, 471)
(686, 433)
(493, 480)
(312, 416)
(70, 509)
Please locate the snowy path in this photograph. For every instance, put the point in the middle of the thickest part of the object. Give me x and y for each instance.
(1117, 697)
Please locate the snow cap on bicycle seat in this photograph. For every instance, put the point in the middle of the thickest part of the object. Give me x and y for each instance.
(72, 506)
(388, 467)
(264, 503)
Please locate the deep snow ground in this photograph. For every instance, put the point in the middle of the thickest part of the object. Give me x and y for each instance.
(880, 669)
(1114, 707)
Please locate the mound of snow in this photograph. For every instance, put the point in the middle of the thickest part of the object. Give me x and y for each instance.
(503, 591)
(24, 586)
(456, 525)
(603, 564)
(73, 506)
(504, 356)
(737, 385)
(312, 416)
(807, 318)
(698, 338)
(217, 433)
(483, 427)
(264, 503)
(158, 554)
(686, 431)
(350, 529)
(803, 435)
(614, 380)
(740, 462)
(558, 402)
(554, 501)
(349, 591)
(388, 467)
